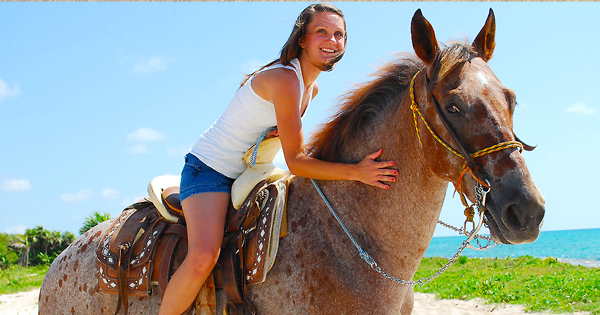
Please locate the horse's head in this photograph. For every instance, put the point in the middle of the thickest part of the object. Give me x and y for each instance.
(467, 106)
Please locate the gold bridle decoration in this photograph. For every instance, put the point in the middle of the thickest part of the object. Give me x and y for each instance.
(414, 106)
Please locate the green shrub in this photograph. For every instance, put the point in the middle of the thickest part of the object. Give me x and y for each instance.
(8, 255)
(539, 284)
(93, 220)
(45, 246)
(16, 278)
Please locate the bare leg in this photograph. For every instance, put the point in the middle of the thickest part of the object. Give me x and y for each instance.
(205, 217)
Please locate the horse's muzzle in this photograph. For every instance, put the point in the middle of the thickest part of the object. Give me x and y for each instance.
(516, 218)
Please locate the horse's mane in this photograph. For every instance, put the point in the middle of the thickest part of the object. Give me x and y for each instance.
(369, 100)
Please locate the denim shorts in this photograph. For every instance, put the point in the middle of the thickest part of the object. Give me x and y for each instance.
(197, 177)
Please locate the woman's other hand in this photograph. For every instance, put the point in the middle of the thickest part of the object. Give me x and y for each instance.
(375, 173)
(272, 134)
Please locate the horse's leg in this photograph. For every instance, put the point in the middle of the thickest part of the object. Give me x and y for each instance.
(408, 301)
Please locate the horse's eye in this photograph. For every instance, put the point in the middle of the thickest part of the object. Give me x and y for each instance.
(452, 109)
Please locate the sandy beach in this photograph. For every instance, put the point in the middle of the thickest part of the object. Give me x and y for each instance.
(25, 303)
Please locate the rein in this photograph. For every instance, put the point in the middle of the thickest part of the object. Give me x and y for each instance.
(482, 188)
(480, 193)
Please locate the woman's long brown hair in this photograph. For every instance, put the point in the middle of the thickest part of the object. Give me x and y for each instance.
(292, 49)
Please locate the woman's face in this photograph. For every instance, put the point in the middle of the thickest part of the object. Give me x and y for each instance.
(324, 39)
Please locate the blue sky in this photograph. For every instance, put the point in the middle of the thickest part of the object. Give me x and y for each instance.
(96, 99)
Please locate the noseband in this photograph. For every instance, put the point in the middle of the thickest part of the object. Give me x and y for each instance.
(482, 188)
(476, 171)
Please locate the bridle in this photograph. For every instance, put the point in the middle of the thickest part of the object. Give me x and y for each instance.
(477, 172)
(482, 188)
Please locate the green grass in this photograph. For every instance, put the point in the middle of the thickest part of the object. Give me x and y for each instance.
(538, 284)
(17, 279)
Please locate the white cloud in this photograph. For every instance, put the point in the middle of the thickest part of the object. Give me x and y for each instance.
(16, 185)
(82, 195)
(141, 148)
(109, 193)
(7, 91)
(145, 65)
(580, 108)
(146, 135)
(142, 136)
(17, 229)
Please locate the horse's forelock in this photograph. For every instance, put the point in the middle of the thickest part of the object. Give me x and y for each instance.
(457, 52)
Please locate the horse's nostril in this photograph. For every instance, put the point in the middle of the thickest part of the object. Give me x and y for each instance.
(512, 219)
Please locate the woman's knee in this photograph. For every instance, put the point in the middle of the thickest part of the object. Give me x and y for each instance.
(202, 260)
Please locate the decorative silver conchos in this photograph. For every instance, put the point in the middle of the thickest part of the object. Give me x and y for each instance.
(134, 284)
(262, 240)
(146, 249)
(105, 279)
(107, 239)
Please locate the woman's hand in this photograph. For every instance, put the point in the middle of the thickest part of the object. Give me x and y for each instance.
(272, 134)
(374, 173)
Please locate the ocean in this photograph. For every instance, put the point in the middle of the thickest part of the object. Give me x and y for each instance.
(577, 247)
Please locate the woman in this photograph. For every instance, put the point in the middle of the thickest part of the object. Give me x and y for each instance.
(276, 95)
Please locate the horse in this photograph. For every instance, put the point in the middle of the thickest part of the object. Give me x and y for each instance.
(430, 111)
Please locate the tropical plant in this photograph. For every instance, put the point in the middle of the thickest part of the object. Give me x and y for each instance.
(20, 246)
(93, 220)
(7, 255)
(48, 243)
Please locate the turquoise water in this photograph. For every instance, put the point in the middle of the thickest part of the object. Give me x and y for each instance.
(579, 247)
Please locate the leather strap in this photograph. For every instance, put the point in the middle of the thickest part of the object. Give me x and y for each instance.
(124, 259)
(478, 172)
(165, 266)
(177, 233)
(239, 218)
(526, 146)
(231, 268)
(122, 272)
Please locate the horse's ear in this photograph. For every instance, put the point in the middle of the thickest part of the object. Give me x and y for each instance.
(485, 42)
(423, 38)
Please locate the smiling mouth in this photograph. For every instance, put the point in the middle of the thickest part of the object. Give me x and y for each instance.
(328, 50)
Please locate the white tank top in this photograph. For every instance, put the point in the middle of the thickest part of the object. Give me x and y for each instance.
(223, 145)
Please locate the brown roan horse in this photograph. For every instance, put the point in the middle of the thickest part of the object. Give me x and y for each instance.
(318, 270)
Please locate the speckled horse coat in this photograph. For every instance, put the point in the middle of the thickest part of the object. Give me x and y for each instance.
(318, 270)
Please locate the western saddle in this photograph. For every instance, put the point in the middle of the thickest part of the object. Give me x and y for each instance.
(146, 244)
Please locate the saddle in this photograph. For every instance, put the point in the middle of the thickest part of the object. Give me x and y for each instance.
(251, 242)
(139, 252)
(146, 244)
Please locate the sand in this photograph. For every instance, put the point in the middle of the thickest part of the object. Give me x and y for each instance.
(25, 303)
(22, 303)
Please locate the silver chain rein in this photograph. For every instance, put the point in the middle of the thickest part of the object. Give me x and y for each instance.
(480, 196)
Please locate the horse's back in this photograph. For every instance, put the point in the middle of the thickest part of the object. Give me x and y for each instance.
(71, 283)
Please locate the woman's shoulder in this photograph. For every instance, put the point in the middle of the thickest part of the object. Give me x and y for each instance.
(276, 79)
(278, 73)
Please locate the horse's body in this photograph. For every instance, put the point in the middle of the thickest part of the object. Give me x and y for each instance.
(318, 270)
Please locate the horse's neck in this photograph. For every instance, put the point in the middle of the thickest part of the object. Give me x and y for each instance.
(396, 224)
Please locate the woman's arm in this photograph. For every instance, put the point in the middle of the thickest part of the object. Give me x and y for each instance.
(281, 86)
